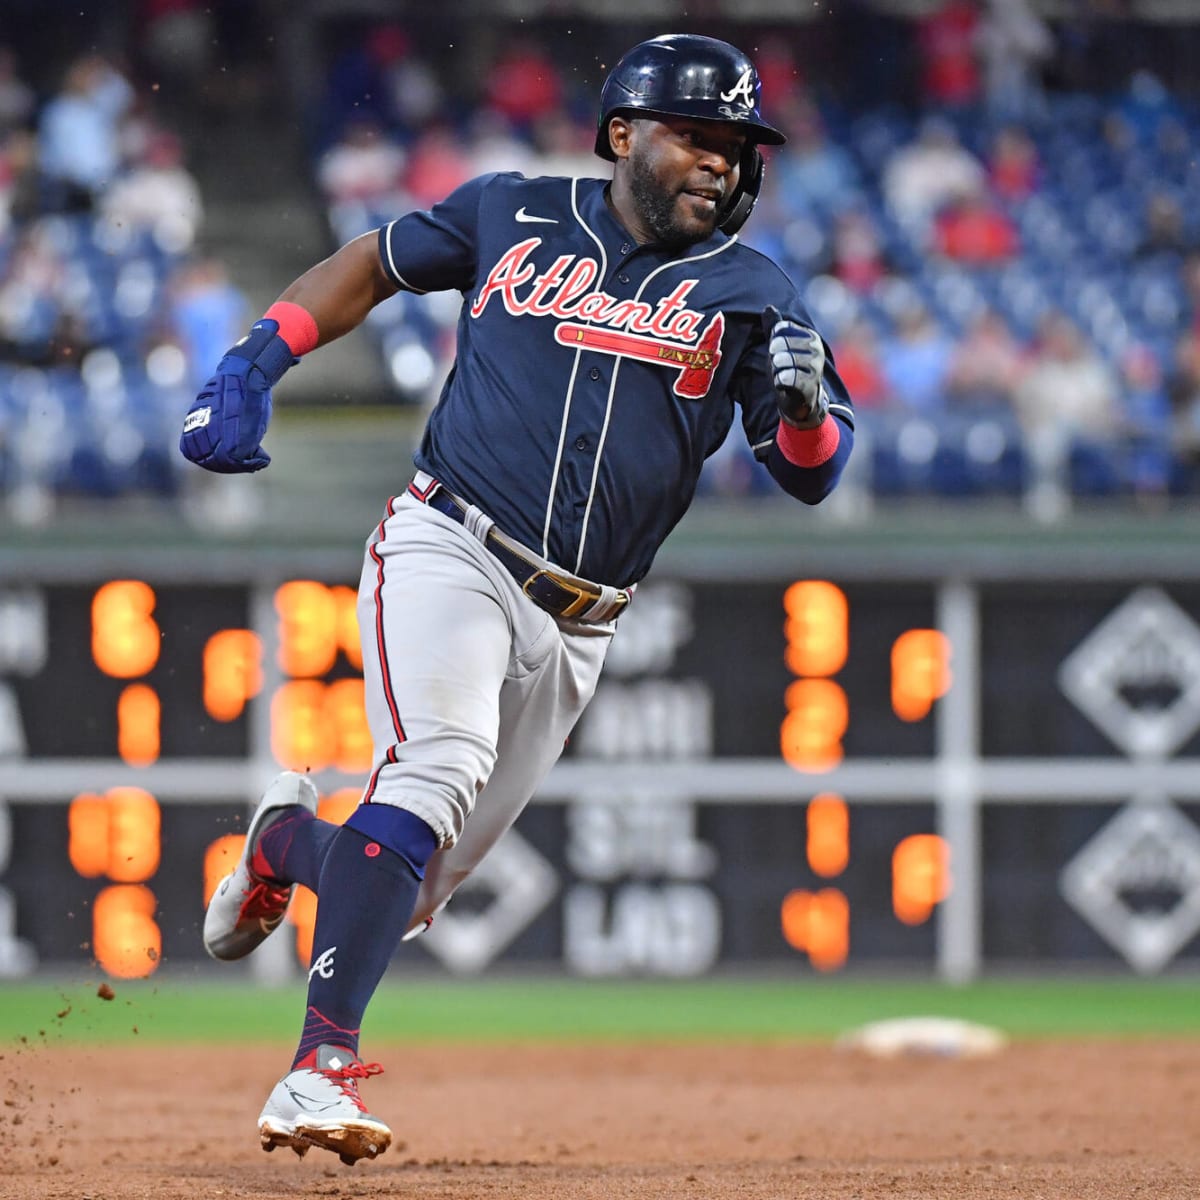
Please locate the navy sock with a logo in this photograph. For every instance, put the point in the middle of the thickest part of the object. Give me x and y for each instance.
(367, 893)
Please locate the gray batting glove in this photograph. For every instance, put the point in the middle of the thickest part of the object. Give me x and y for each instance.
(797, 364)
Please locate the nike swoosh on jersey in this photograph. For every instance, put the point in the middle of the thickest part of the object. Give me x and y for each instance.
(525, 217)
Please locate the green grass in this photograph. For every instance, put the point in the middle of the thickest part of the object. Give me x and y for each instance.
(556, 1009)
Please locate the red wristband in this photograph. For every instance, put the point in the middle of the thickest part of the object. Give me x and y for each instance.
(296, 326)
(809, 447)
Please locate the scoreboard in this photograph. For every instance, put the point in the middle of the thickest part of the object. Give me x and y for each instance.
(817, 771)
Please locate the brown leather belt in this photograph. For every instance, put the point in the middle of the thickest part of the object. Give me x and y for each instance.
(560, 594)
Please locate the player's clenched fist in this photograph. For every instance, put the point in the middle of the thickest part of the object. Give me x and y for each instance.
(224, 428)
(797, 364)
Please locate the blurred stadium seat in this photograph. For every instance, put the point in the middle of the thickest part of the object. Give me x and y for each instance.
(84, 347)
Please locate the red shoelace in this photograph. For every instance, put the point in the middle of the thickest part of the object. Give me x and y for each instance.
(347, 1078)
(265, 901)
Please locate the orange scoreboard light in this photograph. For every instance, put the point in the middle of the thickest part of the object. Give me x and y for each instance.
(817, 922)
(817, 631)
(140, 674)
(206, 676)
(138, 716)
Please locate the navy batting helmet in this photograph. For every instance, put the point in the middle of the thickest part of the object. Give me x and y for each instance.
(687, 75)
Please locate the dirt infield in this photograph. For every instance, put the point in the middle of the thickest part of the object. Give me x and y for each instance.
(1041, 1120)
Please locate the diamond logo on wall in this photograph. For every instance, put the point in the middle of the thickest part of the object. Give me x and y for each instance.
(1137, 883)
(500, 899)
(1137, 675)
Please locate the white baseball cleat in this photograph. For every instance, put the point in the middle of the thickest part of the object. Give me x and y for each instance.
(246, 909)
(319, 1105)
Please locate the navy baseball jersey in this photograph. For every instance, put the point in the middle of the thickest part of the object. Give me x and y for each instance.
(593, 375)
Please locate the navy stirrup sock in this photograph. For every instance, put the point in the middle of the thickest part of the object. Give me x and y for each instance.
(366, 896)
(293, 849)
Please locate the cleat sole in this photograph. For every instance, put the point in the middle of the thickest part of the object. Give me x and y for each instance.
(348, 1143)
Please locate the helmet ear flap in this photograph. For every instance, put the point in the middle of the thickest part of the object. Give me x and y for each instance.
(745, 195)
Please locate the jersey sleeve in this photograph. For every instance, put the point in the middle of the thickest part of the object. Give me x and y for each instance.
(436, 250)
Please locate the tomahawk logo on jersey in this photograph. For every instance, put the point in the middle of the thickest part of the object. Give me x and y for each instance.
(609, 371)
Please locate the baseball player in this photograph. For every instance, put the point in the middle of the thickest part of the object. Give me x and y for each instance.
(609, 333)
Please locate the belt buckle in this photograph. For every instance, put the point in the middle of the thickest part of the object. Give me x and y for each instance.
(583, 599)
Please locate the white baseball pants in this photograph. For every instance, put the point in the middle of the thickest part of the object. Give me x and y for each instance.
(471, 689)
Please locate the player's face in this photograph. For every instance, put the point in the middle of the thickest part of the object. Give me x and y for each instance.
(682, 173)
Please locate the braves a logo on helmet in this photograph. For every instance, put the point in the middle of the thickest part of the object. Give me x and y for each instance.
(665, 332)
(743, 89)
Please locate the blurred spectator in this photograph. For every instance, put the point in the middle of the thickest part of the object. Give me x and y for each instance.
(524, 83)
(414, 94)
(973, 230)
(382, 77)
(563, 147)
(1145, 115)
(987, 366)
(1070, 419)
(1013, 44)
(1184, 394)
(1014, 169)
(17, 99)
(1069, 390)
(18, 177)
(206, 314)
(946, 44)
(42, 304)
(856, 251)
(492, 145)
(916, 361)
(816, 213)
(929, 172)
(815, 173)
(79, 132)
(158, 196)
(1147, 423)
(779, 73)
(1164, 231)
(1189, 276)
(856, 353)
(177, 38)
(365, 164)
(437, 164)
(1189, 273)
(355, 86)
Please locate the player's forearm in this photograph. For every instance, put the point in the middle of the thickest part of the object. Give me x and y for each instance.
(224, 428)
(812, 483)
(341, 290)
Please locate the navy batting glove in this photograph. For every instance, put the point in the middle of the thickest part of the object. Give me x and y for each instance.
(224, 428)
(797, 364)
